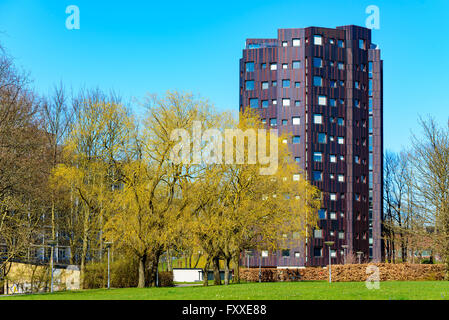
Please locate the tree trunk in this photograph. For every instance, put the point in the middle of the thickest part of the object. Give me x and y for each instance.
(236, 266)
(227, 262)
(84, 249)
(205, 273)
(216, 265)
(142, 262)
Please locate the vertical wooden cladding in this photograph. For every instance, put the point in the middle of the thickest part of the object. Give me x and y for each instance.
(354, 131)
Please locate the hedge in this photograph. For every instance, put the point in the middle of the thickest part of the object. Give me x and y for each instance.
(348, 272)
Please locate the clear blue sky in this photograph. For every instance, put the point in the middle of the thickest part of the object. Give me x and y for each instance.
(136, 47)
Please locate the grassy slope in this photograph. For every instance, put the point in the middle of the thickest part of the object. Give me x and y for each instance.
(435, 290)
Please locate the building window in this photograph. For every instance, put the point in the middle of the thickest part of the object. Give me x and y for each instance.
(332, 41)
(321, 137)
(284, 122)
(341, 66)
(356, 103)
(317, 81)
(265, 104)
(249, 85)
(333, 215)
(286, 83)
(296, 177)
(333, 253)
(317, 40)
(322, 213)
(296, 139)
(286, 253)
(296, 64)
(341, 140)
(274, 102)
(341, 235)
(249, 66)
(332, 83)
(296, 42)
(333, 158)
(263, 65)
(297, 254)
(317, 252)
(318, 234)
(274, 83)
(297, 84)
(295, 120)
(297, 103)
(273, 66)
(317, 157)
(341, 178)
(333, 196)
(317, 62)
(286, 102)
(264, 85)
(357, 85)
(322, 100)
(317, 176)
(332, 103)
(297, 159)
(264, 121)
(318, 118)
(273, 122)
(285, 66)
(254, 103)
(340, 121)
(284, 43)
(362, 44)
(340, 43)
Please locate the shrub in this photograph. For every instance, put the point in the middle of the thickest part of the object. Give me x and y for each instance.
(123, 274)
(166, 279)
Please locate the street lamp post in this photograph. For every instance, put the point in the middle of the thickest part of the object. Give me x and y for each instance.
(359, 254)
(52, 244)
(108, 246)
(329, 244)
(344, 246)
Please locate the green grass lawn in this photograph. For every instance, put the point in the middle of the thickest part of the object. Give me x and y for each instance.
(313, 290)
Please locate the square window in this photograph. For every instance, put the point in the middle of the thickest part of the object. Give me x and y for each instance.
(317, 62)
(341, 178)
(254, 103)
(284, 43)
(286, 102)
(317, 81)
(296, 139)
(321, 137)
(332, 103)
(332, 41)
(265, 104)
(297, 84)
(317, 176)
(333, 197)
(274, 83)
(264, 85)
(333, 158)
(318, 118)
(356, 103)
(317, 40)
(297, 159)
(340, 121)
(318, 234)
(340, 140)
(249, 85)
(284, 122)
(322, 100)
(273, 122)
(295, 120)
(286, 83)
(341, 43)
(296, 42)
(362, 44)
(297, 254)
(274, 102)
(296, 177)
(317, 157)
(341, 66)
(332, 83)
(285, 66)
(297, 103)
(341, 235)
(322, 213)
(264, 121)
(286, 253)
(296, 64)
(317, 252)
(263, 66)
(249, 66)
(273, 66)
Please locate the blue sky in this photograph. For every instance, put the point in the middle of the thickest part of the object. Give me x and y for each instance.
(135, 47)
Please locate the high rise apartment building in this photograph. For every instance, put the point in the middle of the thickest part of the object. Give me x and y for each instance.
(324, 86)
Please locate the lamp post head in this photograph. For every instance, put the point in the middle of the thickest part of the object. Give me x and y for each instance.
(52, 243)
(107, 244)
(344, 246)
(329, 243)
(359, 253)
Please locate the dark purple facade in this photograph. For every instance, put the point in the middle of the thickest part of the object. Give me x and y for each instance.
(324, 86)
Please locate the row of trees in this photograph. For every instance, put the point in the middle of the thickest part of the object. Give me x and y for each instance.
(416, 195)
(83, 170)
